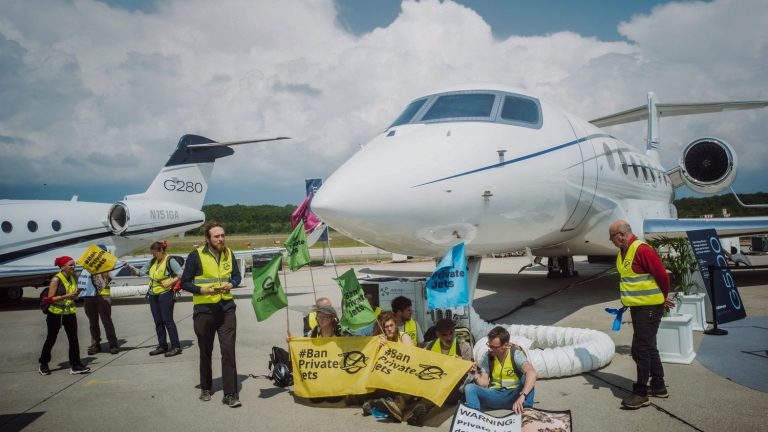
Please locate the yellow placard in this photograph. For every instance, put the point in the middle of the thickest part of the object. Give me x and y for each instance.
(335, 366)
(416, 371)
(96, 260)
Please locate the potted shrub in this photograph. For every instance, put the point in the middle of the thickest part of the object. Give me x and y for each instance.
(681, 264)
(675, 336)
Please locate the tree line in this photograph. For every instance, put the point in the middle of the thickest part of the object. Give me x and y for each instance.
(272, 219)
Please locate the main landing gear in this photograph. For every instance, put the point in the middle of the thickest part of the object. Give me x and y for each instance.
(560, 267)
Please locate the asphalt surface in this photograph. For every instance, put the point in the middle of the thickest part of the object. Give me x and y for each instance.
(132, 391)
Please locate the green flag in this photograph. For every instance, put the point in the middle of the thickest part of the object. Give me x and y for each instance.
(296, 245)
(268, 295)
(356, 311)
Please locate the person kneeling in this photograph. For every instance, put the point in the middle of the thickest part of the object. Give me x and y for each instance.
(506, 378)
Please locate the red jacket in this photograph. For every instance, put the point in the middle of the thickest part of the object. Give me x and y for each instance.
(648, 261)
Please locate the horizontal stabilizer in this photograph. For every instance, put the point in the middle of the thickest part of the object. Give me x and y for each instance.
(725, 227)
(676, 109)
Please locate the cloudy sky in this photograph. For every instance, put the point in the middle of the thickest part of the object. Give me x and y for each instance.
(95, 94)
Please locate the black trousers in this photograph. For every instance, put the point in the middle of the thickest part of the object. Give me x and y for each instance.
(100, 307)
(207, 326)
(645, 323)
(54, 323)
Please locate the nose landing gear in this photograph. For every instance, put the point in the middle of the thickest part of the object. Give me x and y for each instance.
(560, 267)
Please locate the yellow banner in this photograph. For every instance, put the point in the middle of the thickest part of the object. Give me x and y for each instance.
(96, 260)
(335, 366)
(416, 371)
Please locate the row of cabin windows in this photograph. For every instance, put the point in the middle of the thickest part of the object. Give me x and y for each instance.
(7, 227)
(649, 174)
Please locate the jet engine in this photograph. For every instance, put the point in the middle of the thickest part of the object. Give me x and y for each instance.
(137, 218)
(708, 165)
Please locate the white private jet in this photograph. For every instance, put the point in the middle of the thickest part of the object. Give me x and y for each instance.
(502, 170)
(34, 232)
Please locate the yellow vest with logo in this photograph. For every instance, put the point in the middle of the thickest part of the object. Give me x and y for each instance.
(215, 274)
(64, 307)
(637, 289)
(409, 327)
(158, 275)
(436, 347)
(504, 376)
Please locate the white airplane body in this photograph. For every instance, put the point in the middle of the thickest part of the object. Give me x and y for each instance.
(502, 170)
(34, 232)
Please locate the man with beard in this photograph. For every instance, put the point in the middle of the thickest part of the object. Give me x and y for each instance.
(210, 274)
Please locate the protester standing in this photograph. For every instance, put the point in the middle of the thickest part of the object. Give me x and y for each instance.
(644, 287)
(98, 304)
(210, 273)
(61, 312)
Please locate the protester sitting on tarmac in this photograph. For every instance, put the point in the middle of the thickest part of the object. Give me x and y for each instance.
(327, 326)
(98, 304)
(163, 274)
(61, 312)
(402, 307)
(445, 343)
(506, 378)
(386, 401)
(310, 319)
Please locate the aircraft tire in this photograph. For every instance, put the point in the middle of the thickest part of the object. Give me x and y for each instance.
(14, 293)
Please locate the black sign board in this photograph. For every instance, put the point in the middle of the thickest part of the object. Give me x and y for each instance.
(709, 253)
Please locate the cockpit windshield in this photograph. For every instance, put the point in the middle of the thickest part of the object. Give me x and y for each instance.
(486, 105)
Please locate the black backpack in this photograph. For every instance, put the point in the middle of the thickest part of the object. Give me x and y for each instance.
(60, 291)
(280, 365)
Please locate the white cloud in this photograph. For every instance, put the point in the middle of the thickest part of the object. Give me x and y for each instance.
(101, 84)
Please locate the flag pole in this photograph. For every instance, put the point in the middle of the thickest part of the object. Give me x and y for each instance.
(285, 288)
(312, 278)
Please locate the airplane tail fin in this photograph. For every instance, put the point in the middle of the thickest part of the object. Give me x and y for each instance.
(184, 178)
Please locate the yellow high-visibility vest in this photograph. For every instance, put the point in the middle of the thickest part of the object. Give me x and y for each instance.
(436, 347)
(64, 307)
(637, 289)
(409, 327)
(312, 320)
(504, 376)
(158, 275)
(215, 274)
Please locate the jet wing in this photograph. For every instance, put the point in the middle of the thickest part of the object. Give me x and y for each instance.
(725, 227)
(674, 109)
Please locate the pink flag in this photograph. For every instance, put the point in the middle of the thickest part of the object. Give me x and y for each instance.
(304, 213)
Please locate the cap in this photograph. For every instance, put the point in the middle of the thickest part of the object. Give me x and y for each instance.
(328, 310)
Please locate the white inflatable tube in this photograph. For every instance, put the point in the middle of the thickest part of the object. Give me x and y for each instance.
(553, 351)
(127, 290)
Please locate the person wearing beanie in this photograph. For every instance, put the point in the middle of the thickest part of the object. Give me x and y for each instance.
(61, 312)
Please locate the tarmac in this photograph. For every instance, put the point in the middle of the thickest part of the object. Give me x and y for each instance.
(131, 391)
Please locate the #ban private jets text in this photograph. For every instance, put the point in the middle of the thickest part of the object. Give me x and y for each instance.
(34, 232)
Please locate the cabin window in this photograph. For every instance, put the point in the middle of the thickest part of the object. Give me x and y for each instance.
(409, 112)
(653, 176)
(518, 109)
(56, 225)
(462, 106)
(609, 157)
(634, 166)
(7, 227)
(645, 172)
(623, 162)
(32, 226)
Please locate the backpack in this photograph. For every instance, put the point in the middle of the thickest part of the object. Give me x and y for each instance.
(280, 365)
(43, 304)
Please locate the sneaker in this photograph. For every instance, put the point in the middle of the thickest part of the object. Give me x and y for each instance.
(415, 417)
(79, 369)
(659, 393)
(157, 351)
(93, 349)
(231, 400)
(114, 350)
(43, 369)
(205, 395)
(390, 407)
(635, 401)
(367, 405)
(173, 352)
